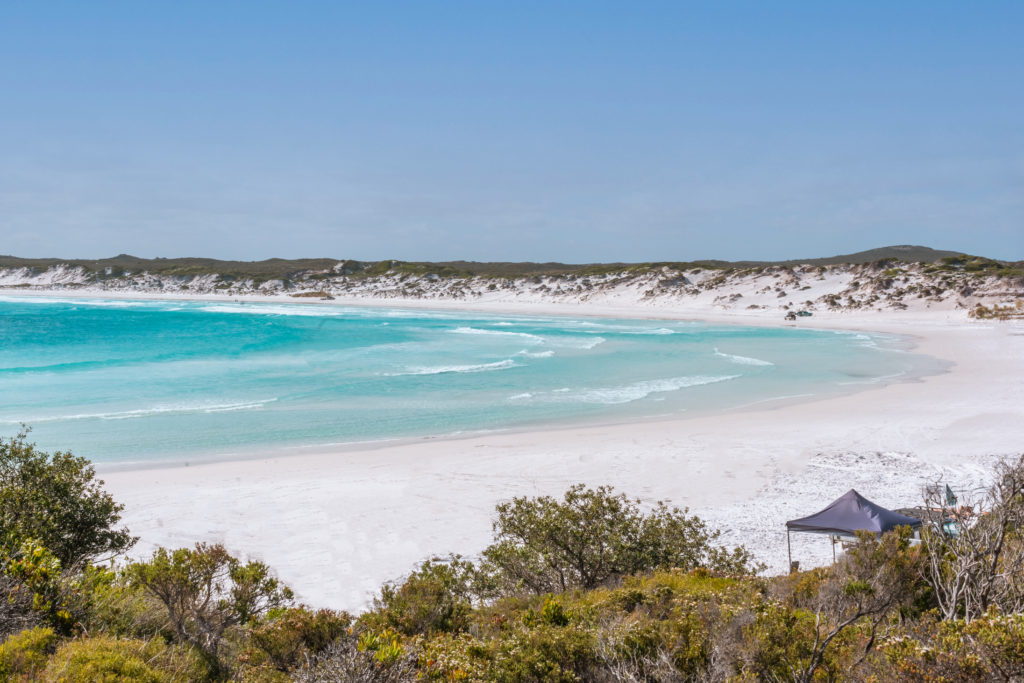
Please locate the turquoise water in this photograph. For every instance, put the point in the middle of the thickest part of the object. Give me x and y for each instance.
(133, 382)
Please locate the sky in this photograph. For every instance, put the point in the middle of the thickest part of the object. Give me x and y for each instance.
(510, 131)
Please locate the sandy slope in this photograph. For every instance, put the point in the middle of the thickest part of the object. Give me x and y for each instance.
(337, 524)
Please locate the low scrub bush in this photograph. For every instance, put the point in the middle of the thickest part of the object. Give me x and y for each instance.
(207, 593)
(289, 638)
(592, 537)
(102, 660)
(436, 597)
(23, 654)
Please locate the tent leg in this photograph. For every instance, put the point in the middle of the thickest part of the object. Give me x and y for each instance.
(833, 549)
(789, 550)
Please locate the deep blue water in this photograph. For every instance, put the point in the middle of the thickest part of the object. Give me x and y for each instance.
(139, 382)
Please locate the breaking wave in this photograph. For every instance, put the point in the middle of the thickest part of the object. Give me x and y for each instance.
(630, 392)
(444, 369)
(499, 333)
(585, 343)
(742, 360)
(536, 354)
(306, 310)
(148, 412)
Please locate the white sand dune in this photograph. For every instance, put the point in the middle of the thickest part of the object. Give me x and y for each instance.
(336, 523)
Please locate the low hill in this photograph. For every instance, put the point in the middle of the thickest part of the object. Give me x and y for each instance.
(289, 268)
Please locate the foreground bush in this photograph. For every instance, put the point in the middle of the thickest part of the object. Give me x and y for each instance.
(435, 598)
(587, 588)
(372, 659)
(102, 658)
(98, 660)
(25, 653)
(593, 536)
(55, 521)
(290, 638)
(659, 627)
(206, 592)
(57, 502)
(118, 608)
(989, 648)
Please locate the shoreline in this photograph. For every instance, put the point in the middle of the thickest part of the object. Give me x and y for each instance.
(567, 424)
(338, 523)
(632, 310)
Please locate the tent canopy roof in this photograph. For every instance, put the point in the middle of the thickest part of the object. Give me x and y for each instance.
(850, 513)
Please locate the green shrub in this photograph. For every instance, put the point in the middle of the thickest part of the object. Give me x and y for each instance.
(991, 647)
(25, 653)
(545, 652)
(521, 653)
(102, 660)
(57, 502)
(594, 536)
(290, 637)
(928, 651)
(119, 609)
(434, 598)
(36, 584)
(39, 583)
(208, 593)
(999, 641)
(372, 658)
(553, 613)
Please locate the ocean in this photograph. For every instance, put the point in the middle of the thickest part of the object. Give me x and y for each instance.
(136, 383)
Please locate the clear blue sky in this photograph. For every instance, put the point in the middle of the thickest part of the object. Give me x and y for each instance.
(570, 131)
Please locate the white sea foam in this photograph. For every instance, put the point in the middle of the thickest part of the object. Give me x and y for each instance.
(238, 406)
(536, 354)
(282, 309)
(100, 303)
(585, 343)
(865, 340)
(147, 412)
(650, 330)
(499, 333)
(625, 329)
(742, 360)
(482, 367)
(417, 313)
(631, 392)
(520, 397)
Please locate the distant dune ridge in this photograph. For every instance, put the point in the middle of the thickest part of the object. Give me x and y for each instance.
(888, 278)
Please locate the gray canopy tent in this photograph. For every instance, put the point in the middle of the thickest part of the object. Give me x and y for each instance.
(845, 516)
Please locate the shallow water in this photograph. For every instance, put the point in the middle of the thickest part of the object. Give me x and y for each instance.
(137, 382)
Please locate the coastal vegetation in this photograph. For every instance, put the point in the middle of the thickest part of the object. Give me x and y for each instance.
(892, 278)
(589, 586)
(276, 268)
(997, 312)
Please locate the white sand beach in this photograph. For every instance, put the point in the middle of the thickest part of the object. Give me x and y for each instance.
(338, 522)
